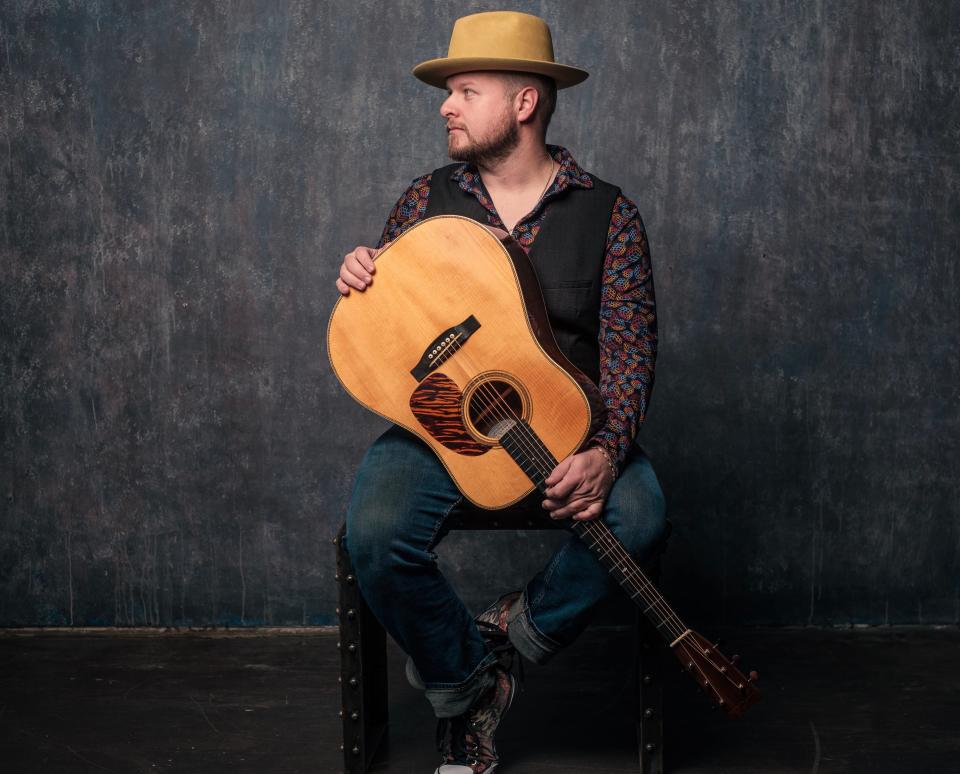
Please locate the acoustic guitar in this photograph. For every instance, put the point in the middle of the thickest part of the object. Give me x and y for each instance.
(452, 342)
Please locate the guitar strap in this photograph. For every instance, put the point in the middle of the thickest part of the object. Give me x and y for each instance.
(567, 253)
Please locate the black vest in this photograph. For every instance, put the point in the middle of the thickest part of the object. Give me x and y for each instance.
(567, 254)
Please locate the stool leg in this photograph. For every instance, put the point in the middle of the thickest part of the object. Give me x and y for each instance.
(649, 701)
(649, 676)
(363, 669)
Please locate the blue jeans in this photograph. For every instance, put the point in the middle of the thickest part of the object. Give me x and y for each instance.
(400, 501)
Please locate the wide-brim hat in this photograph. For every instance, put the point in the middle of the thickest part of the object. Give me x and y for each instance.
(499, 40)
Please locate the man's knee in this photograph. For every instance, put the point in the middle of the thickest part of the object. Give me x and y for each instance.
(639, 510)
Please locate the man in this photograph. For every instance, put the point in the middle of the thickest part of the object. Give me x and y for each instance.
(589, 248)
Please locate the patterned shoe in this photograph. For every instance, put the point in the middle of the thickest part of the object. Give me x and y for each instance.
(468, 745)
(492, 622)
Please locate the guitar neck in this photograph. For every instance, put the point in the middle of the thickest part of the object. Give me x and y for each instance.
(536, 461)
(611, 552)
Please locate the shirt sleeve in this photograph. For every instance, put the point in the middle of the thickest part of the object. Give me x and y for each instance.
(628, 331)
(410, 208)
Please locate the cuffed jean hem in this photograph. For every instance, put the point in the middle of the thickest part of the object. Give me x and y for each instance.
(448, 701)
(523, 633)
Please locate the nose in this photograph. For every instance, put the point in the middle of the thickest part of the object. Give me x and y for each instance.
(446, 107)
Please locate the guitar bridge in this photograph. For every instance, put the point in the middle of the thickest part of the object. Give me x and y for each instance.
(442, 347)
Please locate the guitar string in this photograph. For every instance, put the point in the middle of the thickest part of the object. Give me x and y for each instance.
(613, 545)
(616, 552)
(696, 666)
(542, 455)
(496, 401)
(735, 683)
(612, 548)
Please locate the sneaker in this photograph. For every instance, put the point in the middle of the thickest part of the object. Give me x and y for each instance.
(467, 743)
(450, 744)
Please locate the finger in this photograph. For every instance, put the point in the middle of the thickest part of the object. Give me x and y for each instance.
(351, 279)
(343, 287)
(355, 266)
(589, 513)
(365, 255)
(569, 509)
(558, 472)
(554, 505)
(566, 486)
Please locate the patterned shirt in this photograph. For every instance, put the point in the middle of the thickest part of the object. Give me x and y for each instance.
(628, 317)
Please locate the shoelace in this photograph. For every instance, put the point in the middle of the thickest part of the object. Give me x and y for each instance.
(448, 733)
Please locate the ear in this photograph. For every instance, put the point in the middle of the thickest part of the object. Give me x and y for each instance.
(525, 103)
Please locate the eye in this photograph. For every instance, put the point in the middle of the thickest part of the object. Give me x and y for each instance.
(468, 91)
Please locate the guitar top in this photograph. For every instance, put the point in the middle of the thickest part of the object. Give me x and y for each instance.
(452, 342)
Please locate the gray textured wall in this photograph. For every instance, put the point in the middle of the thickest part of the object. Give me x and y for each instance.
(179, 182)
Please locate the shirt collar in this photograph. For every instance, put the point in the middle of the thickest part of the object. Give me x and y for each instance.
(569, 174)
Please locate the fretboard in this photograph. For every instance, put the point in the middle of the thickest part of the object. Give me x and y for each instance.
(527, 450)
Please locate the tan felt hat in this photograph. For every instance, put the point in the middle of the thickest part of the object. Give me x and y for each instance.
(499, 40)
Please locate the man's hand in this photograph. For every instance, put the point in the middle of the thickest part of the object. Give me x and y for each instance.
(357, 270)
(579, 486)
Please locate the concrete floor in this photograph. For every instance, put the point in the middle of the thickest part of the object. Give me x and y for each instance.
(876, 701)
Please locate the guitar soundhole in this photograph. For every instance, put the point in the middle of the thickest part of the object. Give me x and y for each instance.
(494, 405)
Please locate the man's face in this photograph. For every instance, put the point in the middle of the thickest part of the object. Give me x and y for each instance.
(481, 125)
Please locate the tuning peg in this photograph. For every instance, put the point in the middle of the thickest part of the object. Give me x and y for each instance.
(753, 676)
(734, 659)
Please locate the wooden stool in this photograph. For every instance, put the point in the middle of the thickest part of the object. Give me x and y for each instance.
(363, 653)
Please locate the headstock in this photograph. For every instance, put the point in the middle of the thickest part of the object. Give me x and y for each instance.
(716, 675)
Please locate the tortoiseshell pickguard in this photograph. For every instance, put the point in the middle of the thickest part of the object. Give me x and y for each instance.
(436, 403)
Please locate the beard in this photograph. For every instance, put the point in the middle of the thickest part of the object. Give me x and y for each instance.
(493, 148)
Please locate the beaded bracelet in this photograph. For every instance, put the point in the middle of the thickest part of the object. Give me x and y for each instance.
(606, 456)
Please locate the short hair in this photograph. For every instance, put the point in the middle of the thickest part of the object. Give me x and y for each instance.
(546, 93)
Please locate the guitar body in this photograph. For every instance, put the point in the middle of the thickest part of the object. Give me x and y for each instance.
(450, 341)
